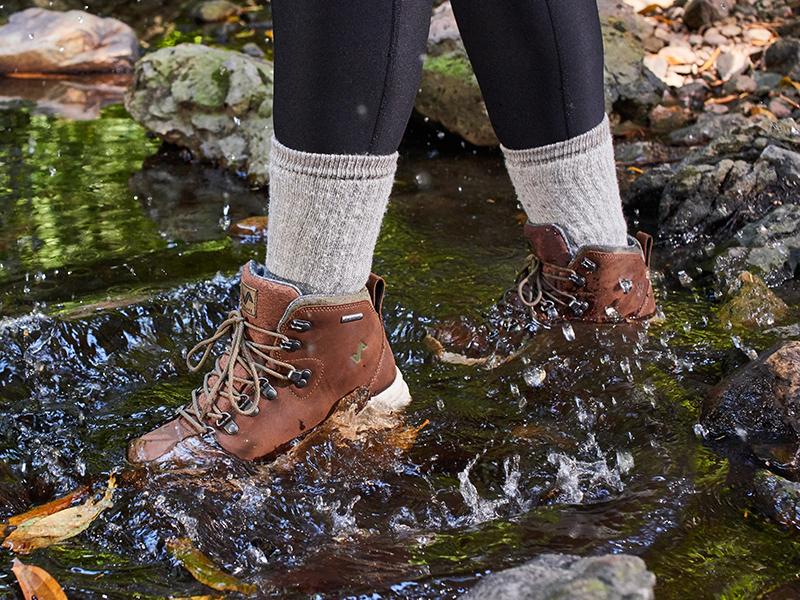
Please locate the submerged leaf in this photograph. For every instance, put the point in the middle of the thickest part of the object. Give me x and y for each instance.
(205, 571)
(250, 227)
(36, 583)
(41, 532)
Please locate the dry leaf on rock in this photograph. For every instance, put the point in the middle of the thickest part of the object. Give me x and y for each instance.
(44, 531)
(203, 570)
(36, 583)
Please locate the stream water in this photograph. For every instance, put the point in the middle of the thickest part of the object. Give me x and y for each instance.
(114, 258)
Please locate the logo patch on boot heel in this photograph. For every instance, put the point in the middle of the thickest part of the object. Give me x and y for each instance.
(359, 353)
(248, 301)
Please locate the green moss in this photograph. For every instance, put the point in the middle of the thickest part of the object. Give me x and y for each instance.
(452, 64)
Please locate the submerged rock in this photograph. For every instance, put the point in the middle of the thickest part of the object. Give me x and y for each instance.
(784, 57)
(217, 103)
(45, 41)
(777, 498)
(760, 403)
(700, 13)
(556, 576)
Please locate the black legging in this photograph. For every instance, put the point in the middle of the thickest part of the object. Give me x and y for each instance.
(347, 71)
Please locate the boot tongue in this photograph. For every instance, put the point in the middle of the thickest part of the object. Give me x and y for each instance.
(263, 301)
(549, 243)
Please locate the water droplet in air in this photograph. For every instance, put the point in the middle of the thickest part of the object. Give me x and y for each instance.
(534, 377)
(568, 331)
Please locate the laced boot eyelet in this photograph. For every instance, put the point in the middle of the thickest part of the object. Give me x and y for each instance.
(578, 280)
(299, 325)
(291, 345)
(245, 404)
(300, 378)
(578, 307)
(589, 265)
(226, 423)
(269, 392)
(548, 307)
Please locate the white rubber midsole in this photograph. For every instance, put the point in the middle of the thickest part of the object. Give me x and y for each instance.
(394, 398)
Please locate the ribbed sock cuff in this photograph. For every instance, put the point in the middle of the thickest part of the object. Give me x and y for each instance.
(591, 140)
(332, 166)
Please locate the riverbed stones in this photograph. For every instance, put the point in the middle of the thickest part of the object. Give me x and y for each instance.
(784, 57)
(760, 402)
(216, 103)
(557, 576)
(45, 41)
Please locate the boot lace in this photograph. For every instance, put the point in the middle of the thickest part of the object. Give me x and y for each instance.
(538, 290)
(258, 363)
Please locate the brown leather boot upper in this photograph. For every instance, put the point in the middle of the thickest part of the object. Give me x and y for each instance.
(291, 359)
(591, 283)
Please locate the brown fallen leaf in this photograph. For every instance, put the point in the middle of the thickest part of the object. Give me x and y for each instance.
(50, 508)
(250, 227)
(788, 81)
(763, 112)
(724, 100)
(41, 532)
(712, 60)
(36, 583)
(203, 570)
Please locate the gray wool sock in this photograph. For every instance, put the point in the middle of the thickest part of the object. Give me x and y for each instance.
(573, 184)
(325, 213)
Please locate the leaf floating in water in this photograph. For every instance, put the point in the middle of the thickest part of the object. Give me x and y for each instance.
(43, 531)
(36, 583)
(203, 570)
(50, 508)
(251, 227)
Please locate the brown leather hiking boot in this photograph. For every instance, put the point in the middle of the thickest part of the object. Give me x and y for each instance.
(290, 359)
(595, 284)
(559, 283)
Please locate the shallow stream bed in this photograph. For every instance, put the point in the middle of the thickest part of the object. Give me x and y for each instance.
(114, 258)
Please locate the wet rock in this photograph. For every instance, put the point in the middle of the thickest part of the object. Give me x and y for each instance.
(740, 84)
(700, 13)
(759, 402)
(735, 179)
(449, 93)
(44, 41)
(784, 57)
(553, 576)
(777, 498)
(751, 303)
(708, 127)
(769, 246)
(766, 82)
(213, 11)
(217, 103)
(79, 98)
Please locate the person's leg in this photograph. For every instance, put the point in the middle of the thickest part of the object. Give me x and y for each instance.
(540, 67)
(346, 75)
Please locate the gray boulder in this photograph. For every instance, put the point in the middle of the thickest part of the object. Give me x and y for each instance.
(557, 576)
(735, 179)
(216, 103)
(45, 41)
(769, 247)
(449, 93)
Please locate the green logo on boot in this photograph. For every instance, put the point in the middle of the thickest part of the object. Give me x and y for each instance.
(359, 353)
